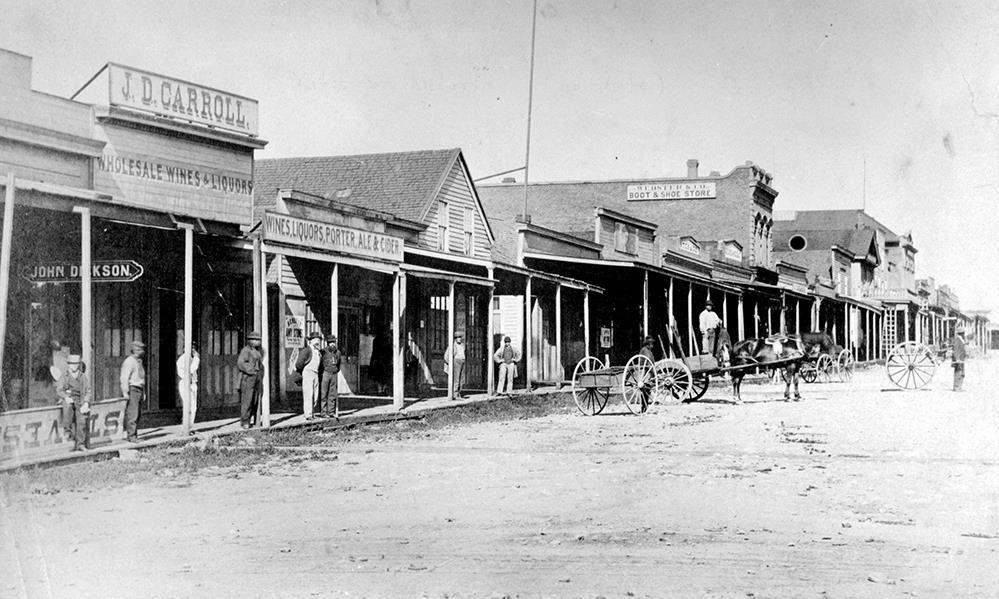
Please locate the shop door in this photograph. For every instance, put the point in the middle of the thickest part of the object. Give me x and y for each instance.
(475, 342)
(348, 340)
(122, 316)
(223, 301)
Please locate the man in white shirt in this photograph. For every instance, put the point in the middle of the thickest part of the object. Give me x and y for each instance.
(308, 364)
(187, 382)
(709, 322)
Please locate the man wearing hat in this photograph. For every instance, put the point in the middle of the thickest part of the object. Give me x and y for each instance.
(251, 367)
(959, 352)
(74, 391)
(328, 386)
(308, 364)
(455, 355)
(649, 348)
(133, 386)
(187, 382)
(507, 358)
(709, 322)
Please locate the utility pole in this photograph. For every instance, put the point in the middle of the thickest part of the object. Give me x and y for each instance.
(530, 99)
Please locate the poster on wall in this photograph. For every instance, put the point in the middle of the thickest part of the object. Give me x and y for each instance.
(606, 337)
(294, 331)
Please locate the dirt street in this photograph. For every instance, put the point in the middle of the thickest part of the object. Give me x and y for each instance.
(853, 492)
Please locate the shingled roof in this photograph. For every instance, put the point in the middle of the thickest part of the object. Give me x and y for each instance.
(856, 241)
(400, 183)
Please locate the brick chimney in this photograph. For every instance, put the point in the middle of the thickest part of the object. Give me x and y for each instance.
(692, 165)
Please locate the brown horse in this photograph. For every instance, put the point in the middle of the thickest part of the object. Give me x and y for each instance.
(788, 350)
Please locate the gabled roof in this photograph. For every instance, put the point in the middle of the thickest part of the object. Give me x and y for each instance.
(400, 183)
(857, 242)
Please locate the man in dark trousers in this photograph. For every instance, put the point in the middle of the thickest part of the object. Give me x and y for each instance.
(74, 391)
(328, 385)
(958, 356)
(133, 387)
(251, 370)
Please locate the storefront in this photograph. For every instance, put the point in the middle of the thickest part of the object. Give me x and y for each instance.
(119, 218)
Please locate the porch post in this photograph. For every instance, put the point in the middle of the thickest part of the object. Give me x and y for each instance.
(907, 323)
(797, 316)
(265, 340)
(257, 269)
(335, 303)
(490, 338)
(527, 334)
(645, 305)
(742, 321)
(558, 332)
(86, 289)
(450, 340)
(690, 319)
(756, 318)
(725, 308)
(188, 324)
(398, 342)
(8, 229)
(586, 321)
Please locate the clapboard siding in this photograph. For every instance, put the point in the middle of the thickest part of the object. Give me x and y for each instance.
(38, 164)
(456, 192)
(164, 196)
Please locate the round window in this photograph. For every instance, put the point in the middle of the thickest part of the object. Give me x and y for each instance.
(797, 243)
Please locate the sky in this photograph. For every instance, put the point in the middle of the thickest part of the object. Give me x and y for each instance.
(889, 105)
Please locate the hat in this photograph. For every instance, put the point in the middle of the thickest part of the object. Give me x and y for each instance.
(708, 303)
(315, 335)
(650, 339)
(138, 345)
(330, 338)
(506, 340)
(73, 359)
(459, 335)
(254, 335)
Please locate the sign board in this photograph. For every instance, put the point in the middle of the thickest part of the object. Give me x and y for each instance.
(672, 191)
(294, 331)
(111, 271)
(606, 337)
(332, 238)
(150, 168)
(178, 99)
(38, 431)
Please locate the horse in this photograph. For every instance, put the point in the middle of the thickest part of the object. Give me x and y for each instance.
(763, 351)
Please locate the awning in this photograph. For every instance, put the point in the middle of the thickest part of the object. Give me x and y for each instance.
(443, 275)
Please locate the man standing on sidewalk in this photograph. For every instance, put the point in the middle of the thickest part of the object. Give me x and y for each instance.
(187, 383)
(308, 364)
(133, 386)
(329, 392)
(250, 364)
(957, 357)
(507, 358)
(455, 355)
(74, 390)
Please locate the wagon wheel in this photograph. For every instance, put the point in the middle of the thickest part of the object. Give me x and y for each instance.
(589, 400)
(844, 365)
(639, 383)
(674, 380)
(910, 365)
(809, 372)
(698, 386)
(823, 368)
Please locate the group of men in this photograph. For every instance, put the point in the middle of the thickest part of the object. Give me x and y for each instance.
(319, 366)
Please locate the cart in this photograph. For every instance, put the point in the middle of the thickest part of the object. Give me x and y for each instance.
(911, 365)
(642, 383)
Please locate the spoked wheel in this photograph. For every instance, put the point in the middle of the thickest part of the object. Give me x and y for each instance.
(674, 380)
(910, 365)
(639, 384)
(590, 400)
(823, 368)
(698, 386)
(844, 365)
(809, 372)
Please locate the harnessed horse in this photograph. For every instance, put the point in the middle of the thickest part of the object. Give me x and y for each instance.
(788, 350)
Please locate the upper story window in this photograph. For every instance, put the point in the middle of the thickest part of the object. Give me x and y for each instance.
(625, 239)
(469, 231)
(443, 225)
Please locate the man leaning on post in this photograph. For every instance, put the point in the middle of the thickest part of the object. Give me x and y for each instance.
(133, 386)
(250, 365)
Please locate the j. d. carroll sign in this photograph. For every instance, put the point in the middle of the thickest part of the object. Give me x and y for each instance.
(117, 271)
(174, 98)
